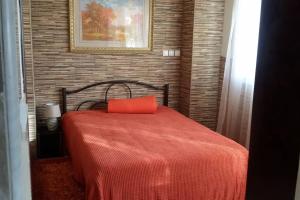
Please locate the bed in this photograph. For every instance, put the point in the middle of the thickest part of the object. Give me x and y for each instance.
(164, 155)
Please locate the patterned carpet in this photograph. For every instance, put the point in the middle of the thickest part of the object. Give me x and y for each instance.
(52, 180)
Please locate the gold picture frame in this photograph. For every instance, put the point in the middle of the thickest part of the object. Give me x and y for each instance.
(111, 26)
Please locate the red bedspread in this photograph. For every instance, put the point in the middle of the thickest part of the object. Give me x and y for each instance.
(153, 156)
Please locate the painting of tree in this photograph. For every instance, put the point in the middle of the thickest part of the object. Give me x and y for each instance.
(97, 22)
(110, 24)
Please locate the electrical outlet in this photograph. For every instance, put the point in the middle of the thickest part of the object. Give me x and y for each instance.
(165, 53)
(177, 52)
(171, 52)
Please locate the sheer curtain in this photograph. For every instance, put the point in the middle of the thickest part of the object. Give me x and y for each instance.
(234, 119)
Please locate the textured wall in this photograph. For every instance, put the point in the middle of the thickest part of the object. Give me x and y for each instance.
(221, 77)
(200, 82)
(208, 30)
(56, 67)
(194, 26)
(29, 68)
(186, 55)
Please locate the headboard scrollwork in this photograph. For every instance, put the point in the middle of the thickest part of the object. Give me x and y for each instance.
(65, 92)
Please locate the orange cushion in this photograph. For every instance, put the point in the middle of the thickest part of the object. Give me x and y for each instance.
(141, 105)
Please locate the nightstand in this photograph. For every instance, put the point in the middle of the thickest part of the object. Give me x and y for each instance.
(49, 143)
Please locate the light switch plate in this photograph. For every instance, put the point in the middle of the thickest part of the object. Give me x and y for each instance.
(177, 52)
(165, 53)
(171, 52)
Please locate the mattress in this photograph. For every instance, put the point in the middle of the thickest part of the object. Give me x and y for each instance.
(153, 156)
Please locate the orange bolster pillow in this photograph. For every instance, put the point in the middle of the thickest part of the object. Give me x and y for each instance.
(141, 105)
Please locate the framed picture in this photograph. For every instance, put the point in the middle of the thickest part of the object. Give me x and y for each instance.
(111, 26)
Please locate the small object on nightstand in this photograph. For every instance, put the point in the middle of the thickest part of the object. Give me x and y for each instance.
(52, 112)
(49, 143)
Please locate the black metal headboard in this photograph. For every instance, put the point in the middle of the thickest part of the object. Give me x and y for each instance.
(65, 92)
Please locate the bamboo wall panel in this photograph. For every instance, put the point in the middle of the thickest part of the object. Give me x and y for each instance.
(56, 67)
(186, 55)
(201, 60)
(194, 26)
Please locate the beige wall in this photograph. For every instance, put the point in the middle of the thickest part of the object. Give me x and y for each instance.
(208, 29)
(196, 27)
(55, 66)
(200, 63)
(186, 55)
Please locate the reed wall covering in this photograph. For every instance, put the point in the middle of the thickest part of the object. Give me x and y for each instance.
(195, 27)
(186, 55)
(201, 64)
(207, 42)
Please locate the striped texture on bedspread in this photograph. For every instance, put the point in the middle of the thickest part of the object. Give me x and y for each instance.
(153, 156)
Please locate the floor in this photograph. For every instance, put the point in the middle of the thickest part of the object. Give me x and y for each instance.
(52, 179)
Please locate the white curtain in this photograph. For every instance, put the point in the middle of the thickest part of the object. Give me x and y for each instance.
(234, 119)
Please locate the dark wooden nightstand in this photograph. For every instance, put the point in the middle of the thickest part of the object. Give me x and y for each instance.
(49, 143)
